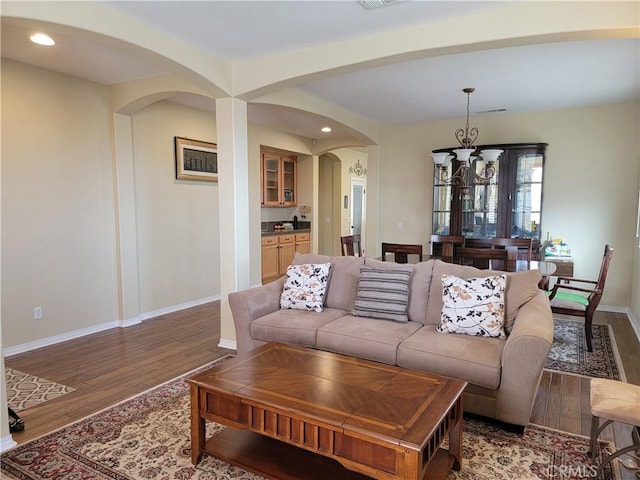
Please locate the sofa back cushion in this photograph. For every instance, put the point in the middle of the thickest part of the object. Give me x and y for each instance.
(521, 287)
(343, 278)
(419, 284)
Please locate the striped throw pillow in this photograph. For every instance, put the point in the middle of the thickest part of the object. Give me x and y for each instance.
(382, 294)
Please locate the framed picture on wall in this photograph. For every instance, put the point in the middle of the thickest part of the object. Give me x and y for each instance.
(196, 160)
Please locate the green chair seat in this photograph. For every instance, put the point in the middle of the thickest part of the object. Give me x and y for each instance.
(571, 297)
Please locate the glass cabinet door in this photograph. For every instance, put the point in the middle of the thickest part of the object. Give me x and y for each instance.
(480, 205)
(526, 199)
(271, 180)
(509, 205)
(441, 204)
(288, 182)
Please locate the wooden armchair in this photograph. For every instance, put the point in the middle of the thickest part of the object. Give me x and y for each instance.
(400, 251)
(350, 244)
(578, 304)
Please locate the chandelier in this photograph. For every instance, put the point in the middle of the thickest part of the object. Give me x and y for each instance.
(358, 169)
(464, 176)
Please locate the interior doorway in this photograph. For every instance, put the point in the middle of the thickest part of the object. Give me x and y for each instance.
(357, 213)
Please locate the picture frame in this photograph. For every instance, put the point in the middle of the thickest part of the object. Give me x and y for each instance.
(196, 160)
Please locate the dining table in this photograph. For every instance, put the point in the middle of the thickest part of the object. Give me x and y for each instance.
(546, 269)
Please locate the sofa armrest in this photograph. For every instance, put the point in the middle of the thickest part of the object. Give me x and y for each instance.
(523, 358)
(248, 305)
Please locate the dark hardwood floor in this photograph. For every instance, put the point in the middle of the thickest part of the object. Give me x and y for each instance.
(111, 366)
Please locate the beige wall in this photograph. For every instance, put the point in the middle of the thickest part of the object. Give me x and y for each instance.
(589, 196)
(58, 247)
(329, 164)
(58, 199)
(177, 220)
(59, 234)
(335, 183)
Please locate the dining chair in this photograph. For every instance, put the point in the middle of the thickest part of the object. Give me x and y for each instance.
(444, 245)
(400, 251)
(523, 244)
(497, 259)
(350, 244)
(584, 303)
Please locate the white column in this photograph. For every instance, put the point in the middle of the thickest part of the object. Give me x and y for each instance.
(374, 222)
(127, 243)
(233, 188)
(6, 441)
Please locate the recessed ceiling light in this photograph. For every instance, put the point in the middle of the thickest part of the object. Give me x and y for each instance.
(325, 129)
(42, 39)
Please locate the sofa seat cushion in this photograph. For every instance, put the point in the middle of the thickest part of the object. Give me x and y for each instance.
(293, 326)
(476, 360)
(365, 338)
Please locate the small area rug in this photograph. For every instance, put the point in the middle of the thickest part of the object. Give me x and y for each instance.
(569, 352)
(148, 437)
(25, 390)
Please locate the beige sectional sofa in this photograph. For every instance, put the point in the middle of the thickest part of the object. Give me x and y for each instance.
(502, 374)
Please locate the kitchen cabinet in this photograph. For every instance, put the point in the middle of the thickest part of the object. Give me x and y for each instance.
(279, 180)
(509, 205)
(278, 252)
(303, 243)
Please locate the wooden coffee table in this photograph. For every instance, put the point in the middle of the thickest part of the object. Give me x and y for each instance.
(303, 413)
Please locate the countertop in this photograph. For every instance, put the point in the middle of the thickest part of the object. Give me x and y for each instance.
(285, 232)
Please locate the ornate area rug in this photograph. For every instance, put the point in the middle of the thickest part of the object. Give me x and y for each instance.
(569, 351)
(148, 437)
(25, 390)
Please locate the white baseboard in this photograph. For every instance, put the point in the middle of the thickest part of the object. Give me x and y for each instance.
(614, 308)
(635, 323)
(63, 337)
(176, 308)
(226, 343)
(7, 443)
(45, 342)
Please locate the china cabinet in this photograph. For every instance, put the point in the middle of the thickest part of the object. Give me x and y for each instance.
(279, 180)
(509, 205)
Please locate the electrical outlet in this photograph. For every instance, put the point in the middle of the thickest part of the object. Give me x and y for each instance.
(400, 225)
(37, 313)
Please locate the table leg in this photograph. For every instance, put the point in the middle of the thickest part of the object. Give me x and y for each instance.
(197, 426)
(455, 440)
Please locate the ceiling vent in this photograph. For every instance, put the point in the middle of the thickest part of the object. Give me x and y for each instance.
(492, 110)
(373, 4)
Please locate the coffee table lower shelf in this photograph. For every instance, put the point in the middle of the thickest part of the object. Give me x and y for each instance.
(277, 460)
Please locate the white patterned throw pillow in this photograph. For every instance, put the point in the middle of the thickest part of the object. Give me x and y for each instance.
(473, 306)
(305, 287)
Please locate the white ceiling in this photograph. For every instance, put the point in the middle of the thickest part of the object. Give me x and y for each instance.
(520, 79)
